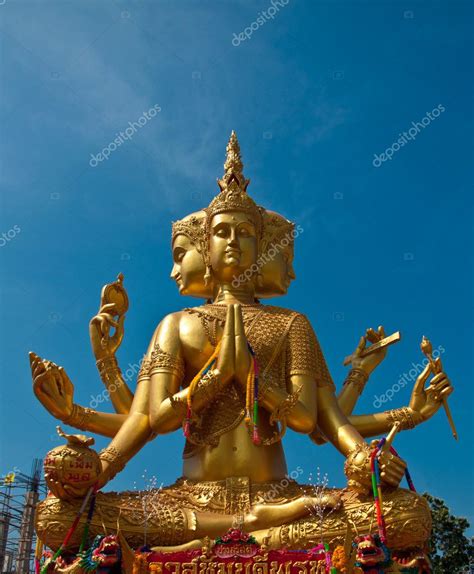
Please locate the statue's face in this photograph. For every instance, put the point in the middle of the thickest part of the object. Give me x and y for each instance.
(188, 268)
(277, 273)
(232, 246)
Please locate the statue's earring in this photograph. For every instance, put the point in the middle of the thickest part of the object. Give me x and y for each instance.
(208, 275)
(259, 278)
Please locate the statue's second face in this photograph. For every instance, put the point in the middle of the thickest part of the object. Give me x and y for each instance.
(278, 273)
(188, 268)
(232, 246)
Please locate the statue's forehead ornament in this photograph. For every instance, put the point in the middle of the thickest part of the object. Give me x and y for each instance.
(233, 195)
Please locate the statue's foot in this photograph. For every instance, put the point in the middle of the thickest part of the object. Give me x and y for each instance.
(267, 515)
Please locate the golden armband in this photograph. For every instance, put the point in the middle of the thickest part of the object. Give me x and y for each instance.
(407, 418)
(115, 459)
(144, 372)
(163, 362)
(358, 378)
(79, 417)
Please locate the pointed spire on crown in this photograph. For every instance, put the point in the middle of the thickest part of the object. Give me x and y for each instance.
(233, 185)
(233, 166)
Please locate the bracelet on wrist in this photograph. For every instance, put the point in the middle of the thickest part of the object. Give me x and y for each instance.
(357, 377)
(115, 459)
(109, 369)
(79, 417)
(408, 418)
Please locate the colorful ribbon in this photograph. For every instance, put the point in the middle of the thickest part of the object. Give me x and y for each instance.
(377, 485)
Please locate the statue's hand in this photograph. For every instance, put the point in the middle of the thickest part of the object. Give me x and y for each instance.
(226, 357)
(243, 357)
(426, 401)
(104, 344)
(67, 491)
(52, 387)
(392, 468)
(369, 362)
(358, 467)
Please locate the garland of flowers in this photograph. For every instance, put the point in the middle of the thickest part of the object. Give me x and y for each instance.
(251, 402)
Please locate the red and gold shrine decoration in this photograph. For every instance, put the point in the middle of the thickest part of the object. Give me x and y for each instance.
(236, 553)
(72, 463)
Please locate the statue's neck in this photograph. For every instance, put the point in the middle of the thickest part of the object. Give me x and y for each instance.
(227, 294)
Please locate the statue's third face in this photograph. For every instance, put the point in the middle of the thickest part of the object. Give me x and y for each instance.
(188, 268)
(278, 273)
(233, 245)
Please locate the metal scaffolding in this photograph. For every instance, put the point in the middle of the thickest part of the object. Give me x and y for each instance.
(19, 494)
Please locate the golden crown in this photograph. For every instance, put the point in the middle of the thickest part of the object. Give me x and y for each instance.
(193, 227)
(233, 185)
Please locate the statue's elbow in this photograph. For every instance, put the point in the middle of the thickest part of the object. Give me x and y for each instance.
(305, 423)
(156, 423)
(161, 424)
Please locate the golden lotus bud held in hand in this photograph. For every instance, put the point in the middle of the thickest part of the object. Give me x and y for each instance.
(426, 346)
(73, 463)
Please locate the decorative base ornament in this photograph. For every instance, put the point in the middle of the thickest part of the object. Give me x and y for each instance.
(234, 374)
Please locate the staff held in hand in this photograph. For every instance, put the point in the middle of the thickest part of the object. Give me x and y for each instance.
(437, 368)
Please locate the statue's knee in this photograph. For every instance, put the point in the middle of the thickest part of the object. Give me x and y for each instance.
(53, 519)
(406, 513)
(408, 519)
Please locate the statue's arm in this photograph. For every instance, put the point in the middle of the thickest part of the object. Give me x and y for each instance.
(132, 436)
(104, 346)
(112, 377)
(351, 390)
(166, 375)
(424, 403)
(334, 424)
(105, 424)
(298, 406)
(380, 423)
(168, 406)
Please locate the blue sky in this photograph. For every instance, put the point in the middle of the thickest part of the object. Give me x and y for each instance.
(313, 94)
